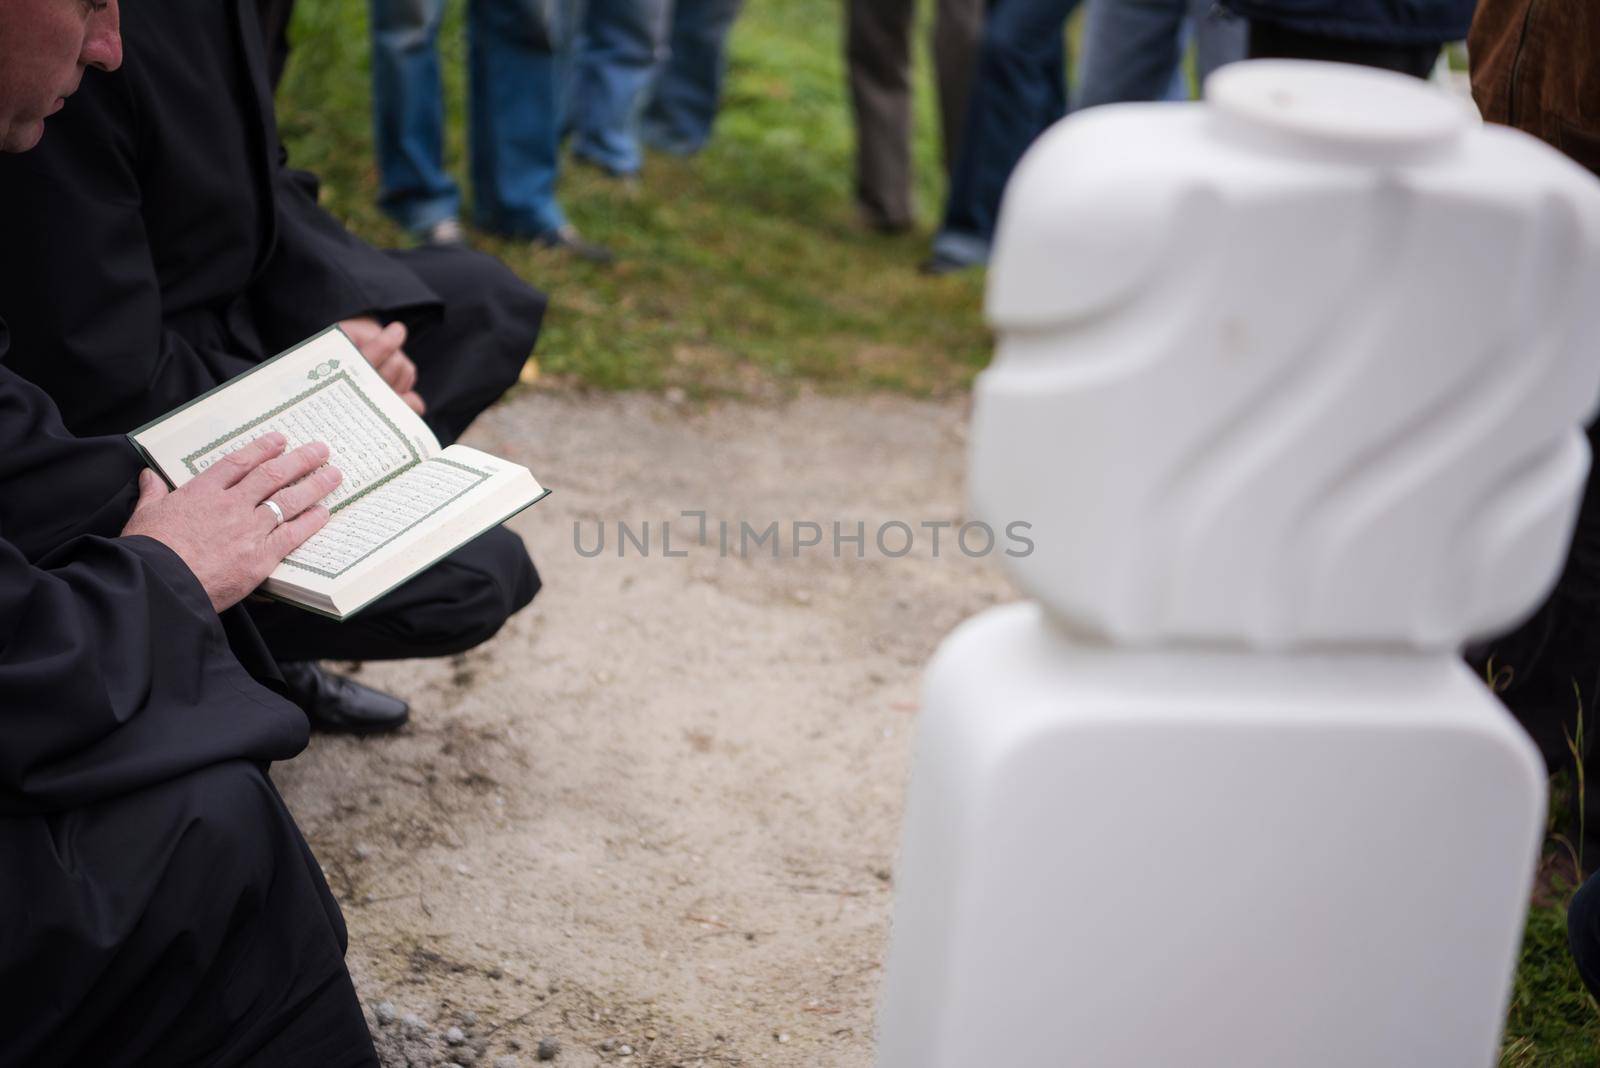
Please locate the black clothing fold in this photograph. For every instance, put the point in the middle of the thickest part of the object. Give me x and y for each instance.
(111, 655)
(113, 664)
(182, 923)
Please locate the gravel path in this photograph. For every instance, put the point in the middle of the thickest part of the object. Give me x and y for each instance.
(653, 821)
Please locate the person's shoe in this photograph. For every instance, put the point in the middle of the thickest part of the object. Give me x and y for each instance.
(334, 703)
(887, 225)
(595, 163)
(567, 239)
(627, 181)
(941, 263)
(446, 233)
(660, 140)
(954, 251)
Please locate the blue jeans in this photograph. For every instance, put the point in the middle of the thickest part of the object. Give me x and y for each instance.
(1019, 89)
(687, 93)
(1132, 49)
(618, 46)
(514, 79)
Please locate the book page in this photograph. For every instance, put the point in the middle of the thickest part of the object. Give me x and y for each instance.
(370, 447)
(322, 390)
(385, 514)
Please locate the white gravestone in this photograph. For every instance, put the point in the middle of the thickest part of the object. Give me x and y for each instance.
(1290, 386)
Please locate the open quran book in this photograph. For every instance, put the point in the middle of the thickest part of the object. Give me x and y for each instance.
(405, 502)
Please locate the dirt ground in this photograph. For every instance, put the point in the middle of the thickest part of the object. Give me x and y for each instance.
(654, 819)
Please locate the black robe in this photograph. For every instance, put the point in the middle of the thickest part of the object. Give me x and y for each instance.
(160, 906)
(156, 245)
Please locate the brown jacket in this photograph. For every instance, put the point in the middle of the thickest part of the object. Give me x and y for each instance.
(1536, 66)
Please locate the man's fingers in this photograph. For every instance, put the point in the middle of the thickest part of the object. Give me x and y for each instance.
(292, 500)
(361, 329)
(407, 378)
(234, 466)
(414, 402)
(388, 342)
(268, 478)
(290, 535)
(151, 489)
(399, 372)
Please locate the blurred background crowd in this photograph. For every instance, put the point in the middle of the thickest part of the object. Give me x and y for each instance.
(611, 78)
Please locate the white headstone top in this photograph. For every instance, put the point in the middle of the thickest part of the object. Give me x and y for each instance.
(1303, 366)
(1358, 111)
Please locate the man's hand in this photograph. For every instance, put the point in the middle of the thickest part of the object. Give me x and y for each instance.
(218, 524)
(382, 346)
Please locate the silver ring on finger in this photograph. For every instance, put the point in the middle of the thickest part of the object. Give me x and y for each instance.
(277, 513)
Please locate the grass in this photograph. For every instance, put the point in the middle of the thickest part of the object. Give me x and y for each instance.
(740, 268)
(1552, 1022)
(743, 268)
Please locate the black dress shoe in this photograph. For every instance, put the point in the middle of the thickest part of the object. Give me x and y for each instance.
(335, 703)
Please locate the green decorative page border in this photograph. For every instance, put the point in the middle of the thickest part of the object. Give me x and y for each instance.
(483, 476)
(223, 387)
(342, 376)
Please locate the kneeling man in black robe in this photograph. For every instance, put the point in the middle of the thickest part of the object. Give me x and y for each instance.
(160, 906)
(156, 245)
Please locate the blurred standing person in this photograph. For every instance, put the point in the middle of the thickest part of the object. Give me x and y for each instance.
(1534, 67)
(1019, 88)
(617, 47)
(878, 51)
(1133, 49)
(644, 72)
(514, 74)
(1399, 35)
(687, 93)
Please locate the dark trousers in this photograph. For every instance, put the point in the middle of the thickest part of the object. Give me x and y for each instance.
(1268, 40)
(458, 603)
(183, 923)
(1019, 89)
(878, 37)
(1583, 933)
(465, 361)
